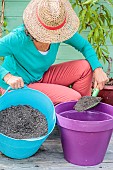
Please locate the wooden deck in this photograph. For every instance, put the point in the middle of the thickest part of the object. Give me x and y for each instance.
(51, 158)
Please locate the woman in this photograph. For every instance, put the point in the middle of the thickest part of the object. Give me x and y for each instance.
(31, 49)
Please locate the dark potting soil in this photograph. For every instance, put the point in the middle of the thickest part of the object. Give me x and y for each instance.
(22, 122)
(87, 102)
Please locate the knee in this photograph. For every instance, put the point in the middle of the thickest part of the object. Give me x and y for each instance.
(74, 96)
(86, 68)
(70, 95)
(85, 64)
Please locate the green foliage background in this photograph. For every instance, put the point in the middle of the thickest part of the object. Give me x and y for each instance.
(98, 20)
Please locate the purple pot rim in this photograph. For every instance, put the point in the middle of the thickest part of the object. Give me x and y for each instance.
(82, 126)
(75, 101)
(78, 126)
(88, 122)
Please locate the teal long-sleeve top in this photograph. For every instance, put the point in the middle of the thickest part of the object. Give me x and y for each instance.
(21, 57)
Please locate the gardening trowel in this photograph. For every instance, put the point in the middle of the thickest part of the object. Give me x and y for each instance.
(88, 102)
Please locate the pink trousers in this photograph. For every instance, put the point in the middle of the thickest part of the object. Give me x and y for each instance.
(56, 81)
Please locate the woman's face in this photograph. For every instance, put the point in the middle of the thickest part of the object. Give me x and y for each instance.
(28, 34)
(37, 43)
(41, 43)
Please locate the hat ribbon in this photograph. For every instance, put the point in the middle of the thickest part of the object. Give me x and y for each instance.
(49, 27)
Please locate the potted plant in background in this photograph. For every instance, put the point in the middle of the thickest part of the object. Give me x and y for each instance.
(96, 18)
(107, 92)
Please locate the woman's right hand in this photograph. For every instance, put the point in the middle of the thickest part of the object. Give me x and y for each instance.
(14, 81)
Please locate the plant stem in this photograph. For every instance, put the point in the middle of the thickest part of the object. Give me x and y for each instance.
(109, 60)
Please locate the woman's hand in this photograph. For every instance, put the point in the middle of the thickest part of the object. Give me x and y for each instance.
(100, 78)
(14, 81)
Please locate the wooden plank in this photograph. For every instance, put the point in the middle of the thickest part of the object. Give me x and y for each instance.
(15, 8)
(13, 22)
(102, 1)
(67, 51)
(17, 1)
(51, 158)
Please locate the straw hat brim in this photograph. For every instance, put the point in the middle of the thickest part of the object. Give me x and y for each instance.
(50, 36)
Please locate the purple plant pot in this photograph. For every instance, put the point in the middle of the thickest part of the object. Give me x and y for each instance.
(84, 135)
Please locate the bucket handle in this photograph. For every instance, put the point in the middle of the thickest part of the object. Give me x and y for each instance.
(10, 88)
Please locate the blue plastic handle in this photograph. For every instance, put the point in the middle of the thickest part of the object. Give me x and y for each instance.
(10, 88)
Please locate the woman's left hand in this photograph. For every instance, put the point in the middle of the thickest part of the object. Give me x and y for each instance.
(100, 78)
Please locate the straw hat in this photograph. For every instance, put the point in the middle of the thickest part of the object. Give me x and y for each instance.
(50, 21)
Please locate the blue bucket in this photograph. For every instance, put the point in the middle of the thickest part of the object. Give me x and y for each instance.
(24, 148)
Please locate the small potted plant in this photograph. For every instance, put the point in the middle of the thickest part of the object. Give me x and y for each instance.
(96, 18)
(107, 92)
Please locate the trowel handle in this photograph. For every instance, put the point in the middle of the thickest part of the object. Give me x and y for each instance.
(95, 92)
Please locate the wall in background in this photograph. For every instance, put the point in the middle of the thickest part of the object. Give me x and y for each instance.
(13, 12)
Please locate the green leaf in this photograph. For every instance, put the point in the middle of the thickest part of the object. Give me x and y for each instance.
(89, 2)
(111, 37)
(102, 17)
(90, 35)
(83, 13)
(73, 6)
(100, 52)
(94, 13)
(96, 33)
(82, 27)
(111, 2)
(106, 51)
(108, 14)
(5, 23)
(96, 16)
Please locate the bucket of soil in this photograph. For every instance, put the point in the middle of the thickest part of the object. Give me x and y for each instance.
(84, 135)
(27, 117)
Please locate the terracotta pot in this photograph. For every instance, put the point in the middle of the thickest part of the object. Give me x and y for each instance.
(107, 94)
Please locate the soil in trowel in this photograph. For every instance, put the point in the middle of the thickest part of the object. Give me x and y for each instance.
(87, 102)
(21, 122)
